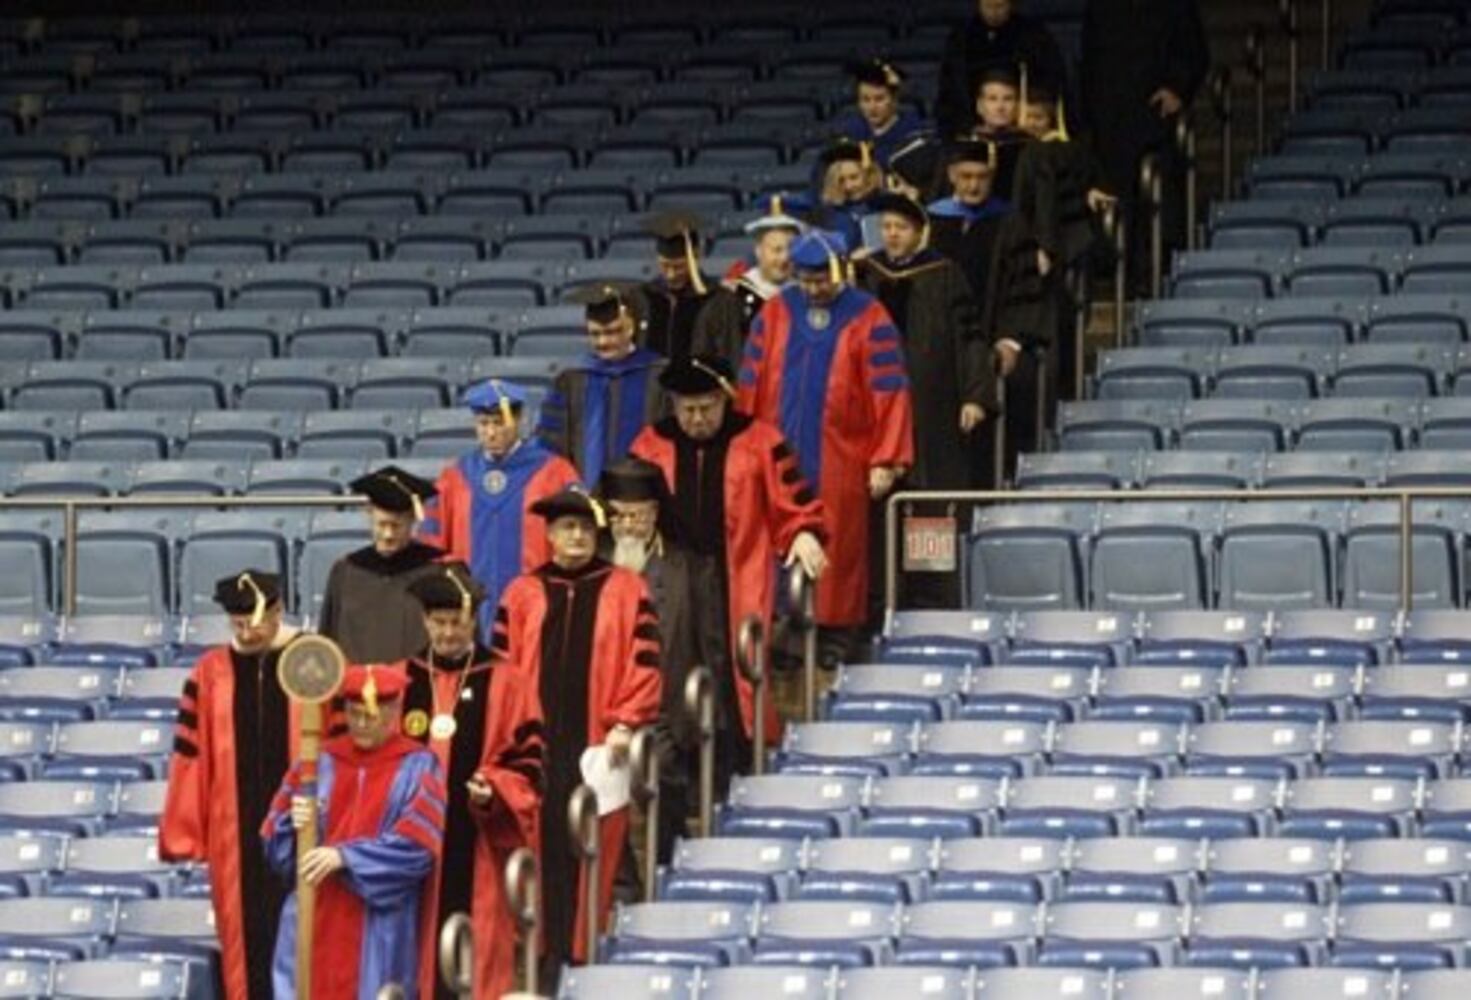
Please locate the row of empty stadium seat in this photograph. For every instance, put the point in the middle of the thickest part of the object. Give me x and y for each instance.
(136, 435)
(543, 187)
(1302, 320)
(350, 239)
(1238, 793)
(1381, 222)
(1245, 426)
(83, 693)
(1407, 750)
(1438, 127)
(109, 642)
(244, 335)
(1408, 369)
(883, 983)
(1265, 555)
(1221, 469)
(299, 383)
(1351, 272)
(1386, 175)
(1100, 935)
(1380, 91)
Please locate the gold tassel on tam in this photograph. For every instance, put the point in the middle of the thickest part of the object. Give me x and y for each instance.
(413, 497)
(599, 516)
(504, 404)
(1021, 73)
(693, 260)
(467, 599)
(725, 385)
(865, 156)
(257, 613)
(1059, 127)
(370, 695)
(834, 264)
(991, 154)
(776, 205)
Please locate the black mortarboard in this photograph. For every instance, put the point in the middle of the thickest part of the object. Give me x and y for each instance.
(604, 301)
(902, 205)
(876, 72)
(847, 150)
(916, 162)
(972, 151)
(249, 592)
(571, 501)
(999, 74)
(697, 375)
(633, 480)
(676, 236)
(391, 488)
(448, 587)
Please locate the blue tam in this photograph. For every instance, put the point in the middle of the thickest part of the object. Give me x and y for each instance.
(495, 394)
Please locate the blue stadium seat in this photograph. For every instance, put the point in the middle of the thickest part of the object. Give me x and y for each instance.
(735, 869)
(1346, 637)
(1435, 984)
(1120, 425)
(1152, 373)
(1127, 748)
(1425, 467)
(686, 934)
(1028, 557)
(1086, 638)
(788, 980)
(1257, 934)
(122, 572)
(1186, 984)
(1406, 935)
(126, 980)
(1135, 869)
(1313, 469)
(1239, 425)
(961, 933)
(1371, 548)
(981, 748)
(1198, 323)
(1304, 321)
(1178, 695)
(302, 476)
(886, 982)
(371, 435)
(1068, 806)
(845, 748)
(220, 544)
(1272, 372)
(56, 694)
(1110, 935)
(1021, 870)
(931, 805)
(1407, 870)
(1432, 692)
(826, 933)
(957, 637)
(895, 693)
(75, 928)
(791, 805)
(1278, 554)
(1270, 870)
(1348, 808)
(1088, 470)
(1152, 556)
(176, 930)
(71, 807)
(1032, 693)
(1320, 693)
(110, 751)
(1246, 749)
(1406, 749)
(1203, 470)
(1356, 424)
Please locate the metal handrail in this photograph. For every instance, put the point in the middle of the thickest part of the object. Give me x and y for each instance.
(1288, 20)
(1116, 228)
(1185, 145)
(802, 598)
(1255, 62)
(699, 704)
(643, 766)
(1325, 26)
(72, 506)
(1223, 103)
(1151, 200)
(586, 830)
(523, 892)
(751, 660)
(457, 956)
(1405, 496)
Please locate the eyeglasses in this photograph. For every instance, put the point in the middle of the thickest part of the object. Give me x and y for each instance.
(627, 516)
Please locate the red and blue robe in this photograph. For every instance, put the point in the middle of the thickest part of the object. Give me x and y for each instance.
(482, 515)
(383, 809)
(596, 408)
(833, 380)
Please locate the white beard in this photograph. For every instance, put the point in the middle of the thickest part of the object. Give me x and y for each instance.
(630, 553)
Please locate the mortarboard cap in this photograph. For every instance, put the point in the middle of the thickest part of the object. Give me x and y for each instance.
(391, 488)
(249, 592)
(495, 395)
(448, 587)
(820, 249)
(604, 301)
(999, 74)
(901, 205)
(972, 151)
(698, 375)
(876, 72)
(372, 684)
(844, 150)
(916, 162)
(781, 211)
(633, 480)
(676, 233)
(571, 501)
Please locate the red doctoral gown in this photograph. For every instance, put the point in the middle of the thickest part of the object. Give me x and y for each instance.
(581, 650)
(833, 380)
(474, 883)
(743, 486)
(217, 799)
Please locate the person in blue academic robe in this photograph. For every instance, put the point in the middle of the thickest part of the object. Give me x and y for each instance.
(879, 119)
(601, 401)
(480, 513)
(379, 809)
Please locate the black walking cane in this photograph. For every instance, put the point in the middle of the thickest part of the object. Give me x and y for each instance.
(802, 594)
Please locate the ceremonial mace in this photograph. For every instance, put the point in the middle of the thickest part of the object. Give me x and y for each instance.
(310, 671)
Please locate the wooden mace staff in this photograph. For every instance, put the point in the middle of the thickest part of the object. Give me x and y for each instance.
(310, 670)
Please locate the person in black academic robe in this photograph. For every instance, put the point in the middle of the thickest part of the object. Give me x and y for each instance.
(996, 37)
(995, 249)
(685, 310)
(1143, 63)
(771, 268)
(447, 706)
(644, 537)
(366, 607)
(999, 101)
(950, 364)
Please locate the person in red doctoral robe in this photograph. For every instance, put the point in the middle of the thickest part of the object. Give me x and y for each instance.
(824, 364)
(233, 741)
(740, 497)
(579, 639)
(447, 707)
(379, 811)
